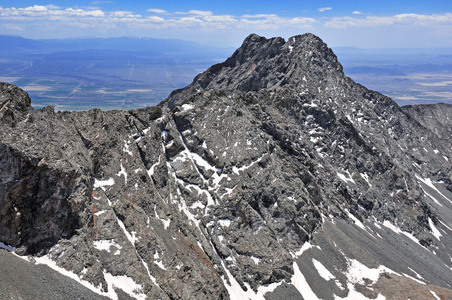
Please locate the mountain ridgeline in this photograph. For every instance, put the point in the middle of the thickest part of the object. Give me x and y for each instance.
(272, 175)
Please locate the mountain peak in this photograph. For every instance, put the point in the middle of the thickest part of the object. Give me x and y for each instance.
(275, 176)
(261, 63)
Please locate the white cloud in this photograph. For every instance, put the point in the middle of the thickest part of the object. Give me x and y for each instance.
(52, 22)
(155, 19)
(35, 8)
(401, 19)
(259, 16)
(195, 12)
(357, 12)
(124, 14)
(157, 11)
(83, 13)
(323, 9)
(103, 20)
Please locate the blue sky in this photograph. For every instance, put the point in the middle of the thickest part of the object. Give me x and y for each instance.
(364, 24)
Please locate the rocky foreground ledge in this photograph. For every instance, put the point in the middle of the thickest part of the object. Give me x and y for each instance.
(272, 175)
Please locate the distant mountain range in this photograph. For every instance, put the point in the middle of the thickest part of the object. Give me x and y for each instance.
(15, 44)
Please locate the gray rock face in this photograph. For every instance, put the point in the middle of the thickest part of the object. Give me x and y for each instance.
(267, 170)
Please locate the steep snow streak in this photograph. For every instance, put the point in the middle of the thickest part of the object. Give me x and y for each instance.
(345, 178)
(397, 230)
(45, 260)
(238, 170)
(435, 230)
(127, 284)
(181, 204)
(237, 293)
(360, 224)
(300, 283)
(435, 295)
(366, 178)
(306, 246)
(152, 168)
(429, 183)
(431, 197)
(131, 237)
(323, 272)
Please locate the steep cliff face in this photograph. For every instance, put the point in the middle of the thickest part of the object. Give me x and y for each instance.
(271, 175)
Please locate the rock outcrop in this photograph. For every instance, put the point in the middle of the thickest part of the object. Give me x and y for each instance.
(271, 174)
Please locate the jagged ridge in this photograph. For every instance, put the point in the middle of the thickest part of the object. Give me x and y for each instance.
(238, 183)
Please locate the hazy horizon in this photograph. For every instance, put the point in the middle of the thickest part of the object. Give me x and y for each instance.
(361, 24)
(79, 74)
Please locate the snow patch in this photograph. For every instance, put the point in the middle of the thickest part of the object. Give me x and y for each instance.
(366, 178)
(357, 221)
(429, 183)
(45, 260)
(152, 168)
(435, 230)
(123, 172)
(237, 293)
(357, 273)
(145, 131)
(158, 261)
(127, 148)
(105, 245)
(255, 259)
(186, 107)
(345, 178)
(306, 246)
(201, 162)
(397, 230)
(417, 275)
(166, 223)
(323, 272)
(125, 283)
(300, 283)
(103, 183)
(224, 222)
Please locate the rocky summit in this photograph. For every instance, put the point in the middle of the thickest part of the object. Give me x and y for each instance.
(272, 176)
